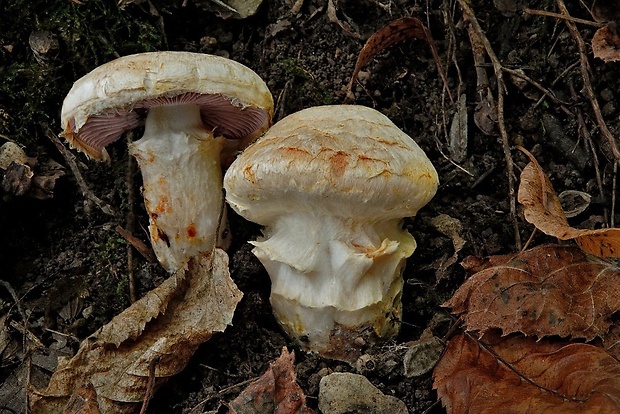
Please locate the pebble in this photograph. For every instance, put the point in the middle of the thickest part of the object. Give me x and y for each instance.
(342, 393)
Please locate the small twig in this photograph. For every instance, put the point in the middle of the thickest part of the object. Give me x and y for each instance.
(70, 160)
(538, 86)
(587, 84)
(565, 72)
(562, 17)
(501, 90)
(613, 195)
(138, 244)
(281, 101)
(587, 137)
(224, 5)
(223, 391)
(18, 303)
(131, 219)
(438, 144)
(530, 239)
(150, 385)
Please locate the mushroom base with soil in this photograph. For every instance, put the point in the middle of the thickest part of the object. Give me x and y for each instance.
(335, 280)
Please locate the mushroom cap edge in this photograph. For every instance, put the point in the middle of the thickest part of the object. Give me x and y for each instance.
(117, 86)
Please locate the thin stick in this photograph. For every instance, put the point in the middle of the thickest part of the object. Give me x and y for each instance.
(565, 72)
(131, 220)
(223, 391)
(561, 17)
(150, 385)
(587, 137)
(535, 84)
(587, 84)
(613, 195)
(70, 160)
(501, 90)
(18, 304)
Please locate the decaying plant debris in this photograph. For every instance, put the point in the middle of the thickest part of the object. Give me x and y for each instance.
(515, 74)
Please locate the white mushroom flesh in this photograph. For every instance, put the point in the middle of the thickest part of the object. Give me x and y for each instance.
(182, 182)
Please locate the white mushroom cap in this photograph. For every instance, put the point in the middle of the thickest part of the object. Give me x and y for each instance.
(235, 102)
(347, 160)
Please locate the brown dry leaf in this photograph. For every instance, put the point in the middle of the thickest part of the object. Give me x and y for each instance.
(83, 401)
(548, 290)
(332, 15)
(606, 43)
(396, 31)
(543, 209)
(169, 323)
(524, 376)
(275, 392)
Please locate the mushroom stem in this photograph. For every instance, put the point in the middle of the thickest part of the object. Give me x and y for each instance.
(182, 179)
(335, 274)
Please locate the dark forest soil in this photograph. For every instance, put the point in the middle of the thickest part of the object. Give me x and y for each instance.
(68, 265)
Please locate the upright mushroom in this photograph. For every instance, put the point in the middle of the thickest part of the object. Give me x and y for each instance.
(196, 109)
(331, 185)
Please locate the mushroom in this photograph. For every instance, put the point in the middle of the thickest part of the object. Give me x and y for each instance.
(332, 185)
(197, 110)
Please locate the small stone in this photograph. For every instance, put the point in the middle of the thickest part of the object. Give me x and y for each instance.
(342, 393)
(11, 152)
(422, 356)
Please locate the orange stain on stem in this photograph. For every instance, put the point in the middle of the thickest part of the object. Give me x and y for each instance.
(191, 231)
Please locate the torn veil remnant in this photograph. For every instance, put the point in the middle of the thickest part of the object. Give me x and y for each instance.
(197, 111)
(331, 185)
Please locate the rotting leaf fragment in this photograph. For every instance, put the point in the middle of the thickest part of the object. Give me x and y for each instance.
(169, 323)
(543, 209)
(521, 375)
(395, 31)
(548, 290)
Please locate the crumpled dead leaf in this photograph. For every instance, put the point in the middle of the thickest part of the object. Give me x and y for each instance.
(396, 31)
(606, 40)
(606, 43)
(548, 290)
(543, 209)
(83, 401)
(25, 176)
(275, 392)
(168, 323)
(347, 25)
(525, 376)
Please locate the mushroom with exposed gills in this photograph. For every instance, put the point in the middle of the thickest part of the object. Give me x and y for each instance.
(196, 110)
(332, 185)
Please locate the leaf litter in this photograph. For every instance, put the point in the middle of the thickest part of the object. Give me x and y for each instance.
(520, 375)
(396, 31)
(275, 392)
(167, 325)
(532, 311)
(543, 209)
(544, 291)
